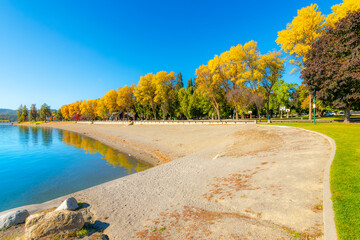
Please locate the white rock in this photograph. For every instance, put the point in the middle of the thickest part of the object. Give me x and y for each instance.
(12, 218)
(68, 204)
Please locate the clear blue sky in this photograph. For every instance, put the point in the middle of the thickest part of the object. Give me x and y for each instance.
(62, 51)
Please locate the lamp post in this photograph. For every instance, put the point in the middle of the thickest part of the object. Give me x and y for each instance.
(314, 106)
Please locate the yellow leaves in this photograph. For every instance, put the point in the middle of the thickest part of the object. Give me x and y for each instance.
(110, 101)
(309, 25)
(125, 97)
(145, 90)
(341, 10)
(298, 36)
(101, 109)
(65, 111)
(164, 87)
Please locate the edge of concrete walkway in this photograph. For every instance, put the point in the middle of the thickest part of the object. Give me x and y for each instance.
(328, 210)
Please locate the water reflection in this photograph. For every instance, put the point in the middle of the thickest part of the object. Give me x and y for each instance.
(47, 137)
(24, 134)
(113, 157)
(79, 142)
(34, 135)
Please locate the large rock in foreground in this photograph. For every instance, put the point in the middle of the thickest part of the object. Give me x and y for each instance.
(57, 222)
(68, 204)
(13, 218)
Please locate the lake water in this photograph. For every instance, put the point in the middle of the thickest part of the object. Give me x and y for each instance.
(40, 164)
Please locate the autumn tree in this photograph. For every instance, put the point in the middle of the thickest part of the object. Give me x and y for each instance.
(110, 101)
(300, 34)
(332, 66)
(341, 10)
(92, 108)
(145, 92)
(233, 63)
(126, 99)
(65, 112)
(252, 73)
(211, 83)
(101, 110)
(74, 109)
(164, 91)
(45, 112)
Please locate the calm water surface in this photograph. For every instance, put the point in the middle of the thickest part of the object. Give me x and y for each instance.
(39, 164)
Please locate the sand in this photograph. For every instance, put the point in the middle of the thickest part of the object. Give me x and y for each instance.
(210, 182)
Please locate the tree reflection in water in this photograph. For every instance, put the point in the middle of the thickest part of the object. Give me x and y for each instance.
(113, 157)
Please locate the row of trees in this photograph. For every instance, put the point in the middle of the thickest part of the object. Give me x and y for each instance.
(221, 92)
(242, 79)
(24, 114)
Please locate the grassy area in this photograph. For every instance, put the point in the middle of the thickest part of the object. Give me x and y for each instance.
(344, 174)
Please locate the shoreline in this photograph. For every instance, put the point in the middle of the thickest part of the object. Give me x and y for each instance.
(187, 185)
(139, 152)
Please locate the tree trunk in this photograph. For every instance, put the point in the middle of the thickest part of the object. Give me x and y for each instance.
(268, 106)
(215, 105)
(310, 101)
(347, 114)
(154, 112)
(236, 113)
(218, 113)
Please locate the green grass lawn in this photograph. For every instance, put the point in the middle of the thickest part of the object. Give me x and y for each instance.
(344, 174)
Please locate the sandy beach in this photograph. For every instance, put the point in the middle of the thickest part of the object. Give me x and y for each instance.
(209, 182)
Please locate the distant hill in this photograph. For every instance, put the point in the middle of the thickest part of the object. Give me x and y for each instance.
(8, 114)
(4, 111)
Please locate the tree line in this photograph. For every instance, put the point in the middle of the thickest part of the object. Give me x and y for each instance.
(43, 114)
(229, 85)
(242, 82)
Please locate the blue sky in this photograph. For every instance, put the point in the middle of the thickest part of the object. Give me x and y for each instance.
(62, 51)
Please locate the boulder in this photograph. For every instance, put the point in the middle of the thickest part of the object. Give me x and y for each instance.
(68, 204)
(13, 218)
(53, 223)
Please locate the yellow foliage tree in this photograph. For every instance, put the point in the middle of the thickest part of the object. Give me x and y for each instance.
(74, 109)
(65, 112)
(101, 110)
(341, 10)
(110, 101)
(304, 29)
(164, 91)
(210, 82)
(145, 92)
(126, 98)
